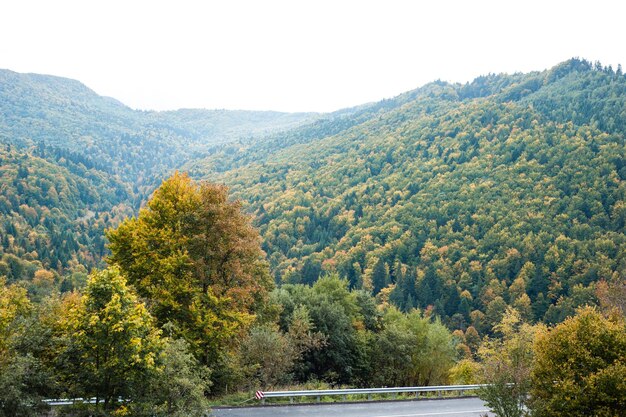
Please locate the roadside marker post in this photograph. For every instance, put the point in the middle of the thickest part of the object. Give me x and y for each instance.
(260, 396)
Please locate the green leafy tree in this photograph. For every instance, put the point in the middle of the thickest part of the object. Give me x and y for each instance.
(268, 356)
(337, 320)
(434, 362)
(114, 344)
(380, 276)
(178, 388)
(506, 366)
(23, 378)
(411, 350)
(394, 346)
(22, 381)
(580, 367)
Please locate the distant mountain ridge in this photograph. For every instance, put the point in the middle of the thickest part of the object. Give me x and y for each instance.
(64, 113)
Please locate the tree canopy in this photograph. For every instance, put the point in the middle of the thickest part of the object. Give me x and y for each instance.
(509, 189)
(581, 367)
(114, 343)
(197, 260)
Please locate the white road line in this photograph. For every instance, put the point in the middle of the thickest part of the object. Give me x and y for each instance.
(435, 414)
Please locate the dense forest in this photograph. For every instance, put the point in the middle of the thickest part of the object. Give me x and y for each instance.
(457, 233)
(461, 198)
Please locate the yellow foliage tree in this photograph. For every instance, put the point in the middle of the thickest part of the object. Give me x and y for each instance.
(195, 257)
(113, 342)
(580, 367)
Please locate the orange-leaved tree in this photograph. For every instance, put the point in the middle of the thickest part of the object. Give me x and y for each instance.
(197, 260)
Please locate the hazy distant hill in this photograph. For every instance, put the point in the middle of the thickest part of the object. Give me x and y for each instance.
(138, 146)
(219, 126)
(505, 191)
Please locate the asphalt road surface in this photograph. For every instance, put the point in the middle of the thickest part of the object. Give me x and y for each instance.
(464, 407)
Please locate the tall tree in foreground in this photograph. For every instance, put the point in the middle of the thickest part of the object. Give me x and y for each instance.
(114, 346)
(195, 257)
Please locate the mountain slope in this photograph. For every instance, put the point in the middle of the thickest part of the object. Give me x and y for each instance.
(74, 163)
(52, 218)
(466, 198)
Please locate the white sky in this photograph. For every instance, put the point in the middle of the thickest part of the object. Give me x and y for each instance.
(296, 55)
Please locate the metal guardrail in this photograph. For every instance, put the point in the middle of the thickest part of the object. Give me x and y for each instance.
(262, 395)
(68, 401)
(367, 391)
(71, 401)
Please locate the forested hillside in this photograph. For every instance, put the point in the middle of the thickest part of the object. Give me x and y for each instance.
(53, 216)
(461, 198)
(74, 163)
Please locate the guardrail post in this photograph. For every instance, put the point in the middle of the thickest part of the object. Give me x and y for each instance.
(319, 399)
(417, 394)
(439, 393)
(290, 400)
(263, 401)
(369, 397)
(344, 397)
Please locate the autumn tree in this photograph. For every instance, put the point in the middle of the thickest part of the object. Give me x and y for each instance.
(465, 371)
(113, 344)
(195, 257)
(581, 367)
(14, 304)
(612, 294)
(507, 362)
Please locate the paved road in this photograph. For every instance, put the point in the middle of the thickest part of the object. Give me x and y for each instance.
(466, 407)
